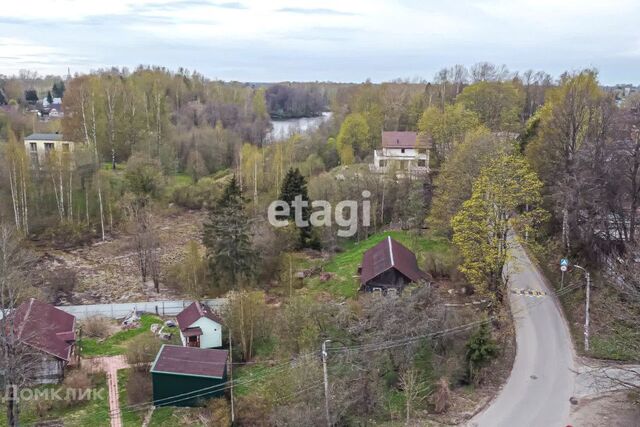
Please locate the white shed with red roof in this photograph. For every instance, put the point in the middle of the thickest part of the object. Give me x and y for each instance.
(200, 326)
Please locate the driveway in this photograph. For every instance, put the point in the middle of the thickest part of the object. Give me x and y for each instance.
(542, 378)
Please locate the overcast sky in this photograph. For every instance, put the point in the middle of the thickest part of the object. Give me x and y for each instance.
(342, 40)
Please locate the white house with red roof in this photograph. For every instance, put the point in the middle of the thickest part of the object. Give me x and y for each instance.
(404, 152)
(200, 327)
(51, 332)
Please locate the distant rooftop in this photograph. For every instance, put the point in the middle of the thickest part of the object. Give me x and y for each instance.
(44, 137)
(399, 139)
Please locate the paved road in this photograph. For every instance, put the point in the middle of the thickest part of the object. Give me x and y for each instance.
(542, 380)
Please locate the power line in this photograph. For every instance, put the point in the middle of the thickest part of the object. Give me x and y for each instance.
(383, 345)
(396, 343)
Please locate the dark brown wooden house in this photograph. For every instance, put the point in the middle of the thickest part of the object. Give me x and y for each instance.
(389, 267)
(52, 333)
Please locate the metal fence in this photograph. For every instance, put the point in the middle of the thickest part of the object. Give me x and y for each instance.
(118, 311)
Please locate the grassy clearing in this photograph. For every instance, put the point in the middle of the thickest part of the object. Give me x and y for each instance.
(173, 416)
(254, 373)
(344, 265)
(130, 417)
(615, 345)
(116, 343)
(94, 412)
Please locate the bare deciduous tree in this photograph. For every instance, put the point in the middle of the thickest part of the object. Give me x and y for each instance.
(18, 361)
(146, 241)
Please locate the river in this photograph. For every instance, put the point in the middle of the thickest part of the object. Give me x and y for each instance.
(282, 129)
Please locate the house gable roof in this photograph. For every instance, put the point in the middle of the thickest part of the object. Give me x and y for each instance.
(193, 312)
(390, 254)
(191, 361)
(44, 137)
(45, 328)
(399, 139)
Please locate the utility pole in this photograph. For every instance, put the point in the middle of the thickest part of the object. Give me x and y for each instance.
(233, 415)
(326, 382)
(586, 317)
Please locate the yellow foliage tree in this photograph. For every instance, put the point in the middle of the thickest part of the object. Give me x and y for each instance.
(481, 229)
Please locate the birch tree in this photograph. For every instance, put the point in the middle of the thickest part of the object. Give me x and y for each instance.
(17, 164)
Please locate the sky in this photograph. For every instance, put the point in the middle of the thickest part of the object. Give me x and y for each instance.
(329, 40)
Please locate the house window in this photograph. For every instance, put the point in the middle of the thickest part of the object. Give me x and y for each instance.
(382, 163)
(402, 150)
(33, 146)
(48, 146)
(65, 147)
(422, 163)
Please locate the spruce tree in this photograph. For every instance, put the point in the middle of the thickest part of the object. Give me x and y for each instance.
(294, 184)
(481, 349)
(227, 237)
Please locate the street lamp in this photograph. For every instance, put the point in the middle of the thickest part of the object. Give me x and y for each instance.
(586, 317)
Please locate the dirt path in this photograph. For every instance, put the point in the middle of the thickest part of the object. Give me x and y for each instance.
(111, 365)
(609, 409)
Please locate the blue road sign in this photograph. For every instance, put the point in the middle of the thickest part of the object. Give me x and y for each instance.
(564, 262)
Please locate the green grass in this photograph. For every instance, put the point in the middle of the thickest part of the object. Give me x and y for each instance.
(116, 343)
(345, 265)
(130, 418)
(256, 373)
(108, 166)
(172, 416)
(94, 413)
(182, 179)
(615, 344)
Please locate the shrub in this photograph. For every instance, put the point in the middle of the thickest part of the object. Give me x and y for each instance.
(42, 407)
(77, 379)
(196, 196)
(442, 396)
(189, 275)
(219, 413)
(442, 264)
(76, 382)
(63, 280)
(139, 388)
(144, 175)
(68, 234)
(97, 327)
(252, 410)
(142, 350)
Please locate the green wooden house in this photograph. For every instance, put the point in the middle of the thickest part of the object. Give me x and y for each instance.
(187, 376)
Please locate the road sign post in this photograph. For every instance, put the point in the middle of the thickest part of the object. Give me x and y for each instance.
(564, 266)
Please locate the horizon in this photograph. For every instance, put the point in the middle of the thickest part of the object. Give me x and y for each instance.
(328, 41)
